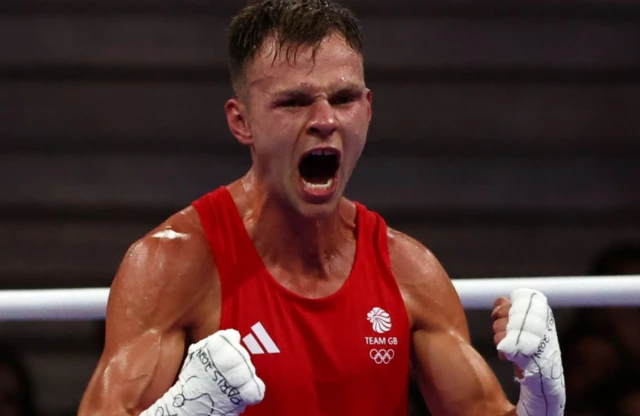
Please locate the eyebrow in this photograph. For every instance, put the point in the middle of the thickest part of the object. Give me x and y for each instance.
(304, 92)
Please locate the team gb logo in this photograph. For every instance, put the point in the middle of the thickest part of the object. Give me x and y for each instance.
(380, 320)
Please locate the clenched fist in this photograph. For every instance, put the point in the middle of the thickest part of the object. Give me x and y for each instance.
(217, 378)
(525, 334)
(500, 316)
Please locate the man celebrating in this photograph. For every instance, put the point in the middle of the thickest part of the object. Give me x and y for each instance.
(275, 295)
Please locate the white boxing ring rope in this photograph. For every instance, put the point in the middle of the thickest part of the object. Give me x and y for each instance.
(578, 291)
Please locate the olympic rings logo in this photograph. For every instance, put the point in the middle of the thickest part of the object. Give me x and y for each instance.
(382, 356)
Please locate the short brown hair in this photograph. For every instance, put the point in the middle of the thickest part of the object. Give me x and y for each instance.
(293, 23)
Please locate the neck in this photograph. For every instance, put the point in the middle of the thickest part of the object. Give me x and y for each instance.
(289, 241)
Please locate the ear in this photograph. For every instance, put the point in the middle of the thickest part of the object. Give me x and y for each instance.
(237, 119)
(370, 101)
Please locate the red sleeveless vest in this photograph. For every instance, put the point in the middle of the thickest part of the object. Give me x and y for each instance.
(345, 354)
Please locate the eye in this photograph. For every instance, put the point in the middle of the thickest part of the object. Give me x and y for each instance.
(289, 103)
(344, 98)
(294, 102)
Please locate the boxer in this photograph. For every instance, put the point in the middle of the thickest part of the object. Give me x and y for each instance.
(276, 295)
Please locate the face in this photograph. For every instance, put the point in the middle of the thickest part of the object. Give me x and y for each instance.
(306, 122)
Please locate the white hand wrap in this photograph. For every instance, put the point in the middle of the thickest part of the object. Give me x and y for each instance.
(217, 378)
(532, 344)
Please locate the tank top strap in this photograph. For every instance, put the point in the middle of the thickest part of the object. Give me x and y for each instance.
(226, 233)
(372, 234)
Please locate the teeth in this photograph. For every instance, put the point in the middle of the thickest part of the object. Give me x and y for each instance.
(326, 152)
(318, 186)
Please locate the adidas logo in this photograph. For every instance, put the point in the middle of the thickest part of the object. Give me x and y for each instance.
(254, 346)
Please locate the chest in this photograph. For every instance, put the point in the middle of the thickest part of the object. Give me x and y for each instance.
(333, 345)
(326, 356)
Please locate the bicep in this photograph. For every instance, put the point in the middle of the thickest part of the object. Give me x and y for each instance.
(453, 377)
(144, 345)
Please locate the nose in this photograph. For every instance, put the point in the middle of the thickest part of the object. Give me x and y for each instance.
(322, 122)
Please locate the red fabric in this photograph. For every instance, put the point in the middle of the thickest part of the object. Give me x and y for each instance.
(328, 351)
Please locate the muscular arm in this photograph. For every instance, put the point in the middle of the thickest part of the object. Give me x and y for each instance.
(453, 377)
(152, 300)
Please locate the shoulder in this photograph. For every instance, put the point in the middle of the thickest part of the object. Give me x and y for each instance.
(427, 290)
(413, 264)
(177, 245)
(170, 266)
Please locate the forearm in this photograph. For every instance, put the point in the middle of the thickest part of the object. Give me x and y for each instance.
(110, 409)
(112, 392)
(120, 412)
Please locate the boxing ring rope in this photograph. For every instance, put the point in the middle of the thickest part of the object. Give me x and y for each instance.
(577, 291)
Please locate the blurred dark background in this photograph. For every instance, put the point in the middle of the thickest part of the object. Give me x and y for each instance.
(506, 137)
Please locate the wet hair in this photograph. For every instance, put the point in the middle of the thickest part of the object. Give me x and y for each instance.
(293, 23)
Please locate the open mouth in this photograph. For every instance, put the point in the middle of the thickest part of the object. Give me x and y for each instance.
(318, 169)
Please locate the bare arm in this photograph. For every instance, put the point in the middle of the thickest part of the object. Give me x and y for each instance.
(453, 377)
(149, 309)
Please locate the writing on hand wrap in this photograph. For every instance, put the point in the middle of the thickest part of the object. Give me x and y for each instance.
(223, 384)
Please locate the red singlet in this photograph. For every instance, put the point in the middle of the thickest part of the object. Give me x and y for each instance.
(345, 354)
